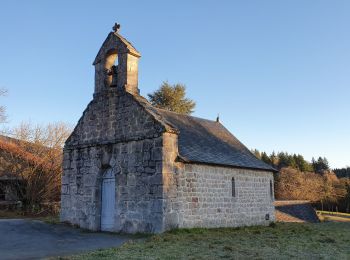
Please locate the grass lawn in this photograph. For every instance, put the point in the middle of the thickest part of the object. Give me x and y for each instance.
(327, 240)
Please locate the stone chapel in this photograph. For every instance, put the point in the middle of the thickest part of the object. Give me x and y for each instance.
(130, 167)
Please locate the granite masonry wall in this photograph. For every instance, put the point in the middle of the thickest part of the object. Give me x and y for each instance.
(113, 116)
(199, 195)
(114, 132)
(207, 199)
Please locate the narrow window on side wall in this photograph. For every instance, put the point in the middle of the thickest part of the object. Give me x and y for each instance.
(233, 187)
(271, 189)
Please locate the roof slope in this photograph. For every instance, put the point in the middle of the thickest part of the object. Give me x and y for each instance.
(118, 42)
(206, 141)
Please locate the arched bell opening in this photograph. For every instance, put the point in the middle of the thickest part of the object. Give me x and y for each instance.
(111, 68)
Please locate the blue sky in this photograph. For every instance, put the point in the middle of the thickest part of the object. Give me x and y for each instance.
(278, 72)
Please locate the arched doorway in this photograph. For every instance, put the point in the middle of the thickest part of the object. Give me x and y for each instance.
(108, 201)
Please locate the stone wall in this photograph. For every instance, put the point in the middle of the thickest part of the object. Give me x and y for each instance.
(201, 196)
(172, 170)
(113, 116)
(114, 132)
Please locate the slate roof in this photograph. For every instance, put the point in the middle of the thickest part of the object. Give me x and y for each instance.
(206, 141)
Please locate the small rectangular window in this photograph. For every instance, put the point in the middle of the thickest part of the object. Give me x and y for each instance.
(271, 189)
(233, 187)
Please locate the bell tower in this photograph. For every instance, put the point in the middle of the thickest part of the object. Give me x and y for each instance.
(116, 64)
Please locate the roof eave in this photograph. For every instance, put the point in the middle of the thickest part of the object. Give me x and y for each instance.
(185, 160)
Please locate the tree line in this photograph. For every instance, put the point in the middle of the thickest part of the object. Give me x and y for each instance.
(299, 179)
(297, 161)
(343, 172)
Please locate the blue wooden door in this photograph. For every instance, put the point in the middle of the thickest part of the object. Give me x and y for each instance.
(108, 201)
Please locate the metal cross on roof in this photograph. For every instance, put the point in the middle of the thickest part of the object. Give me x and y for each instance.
(116, 27)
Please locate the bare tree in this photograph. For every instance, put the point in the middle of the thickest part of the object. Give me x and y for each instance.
(3, 92)
(326, 189)
(296, 185)
(42, 176)
(42, 137)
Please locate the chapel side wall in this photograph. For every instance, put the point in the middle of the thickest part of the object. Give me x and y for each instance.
(208, 202)
(204, 197)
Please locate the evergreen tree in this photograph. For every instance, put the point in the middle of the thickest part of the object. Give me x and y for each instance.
(265, 158)
(314, 164)
(342, 173)
(283, 160)
(256, 153)
(302, 164)
(321, 165)
(274, 159)
(292, 161)
(172, 98)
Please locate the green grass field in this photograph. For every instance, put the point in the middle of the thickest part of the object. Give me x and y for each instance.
(328, 240)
